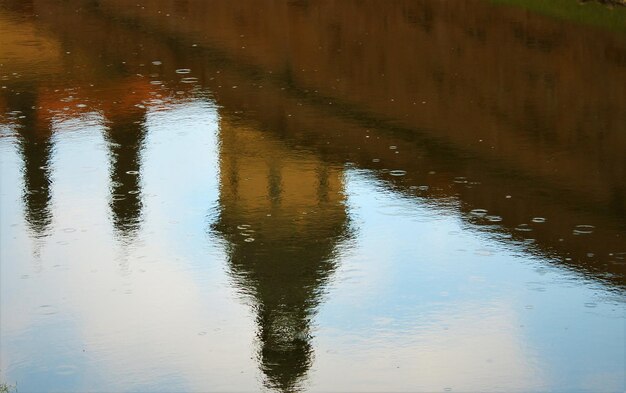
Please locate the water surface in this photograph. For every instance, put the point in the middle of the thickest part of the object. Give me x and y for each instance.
(312, 196)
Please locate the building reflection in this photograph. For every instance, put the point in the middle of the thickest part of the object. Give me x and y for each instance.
(543, 125)
(283, 215)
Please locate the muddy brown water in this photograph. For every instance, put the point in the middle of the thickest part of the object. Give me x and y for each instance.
(310, 196)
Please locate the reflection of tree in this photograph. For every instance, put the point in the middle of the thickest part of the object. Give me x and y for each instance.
(282, 242)
(125, 136)
(36, 149)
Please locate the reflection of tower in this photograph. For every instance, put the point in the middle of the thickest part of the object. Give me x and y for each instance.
(283, 214)
(125, 136)
(36, 148)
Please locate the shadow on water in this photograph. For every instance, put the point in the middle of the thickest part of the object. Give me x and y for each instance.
(283, 215)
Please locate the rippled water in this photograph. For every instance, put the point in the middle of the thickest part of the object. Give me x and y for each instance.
(323, 196)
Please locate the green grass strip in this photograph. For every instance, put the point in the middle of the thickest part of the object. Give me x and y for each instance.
(589, 13)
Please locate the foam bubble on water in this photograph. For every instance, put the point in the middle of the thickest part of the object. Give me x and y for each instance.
(375, 159)
(493, 218)
(189, 79)
(132, 172)
(248, 239)
(460, 180)
(156, 82)
(243, 226)
(183, 71)
(523, 228)
(397, 172)
(157, 62)
(538, 220)
(133, 192)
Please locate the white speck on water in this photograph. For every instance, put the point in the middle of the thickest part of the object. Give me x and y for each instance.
(478, 212)
(583, 229)
(47, 309)
(66, 369)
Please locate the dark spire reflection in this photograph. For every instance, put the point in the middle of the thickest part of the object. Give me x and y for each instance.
(36, 148)
(282, 248)
(285, 279)
(125, 137)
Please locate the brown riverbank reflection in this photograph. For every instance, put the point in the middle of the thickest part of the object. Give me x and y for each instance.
(357, 146)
